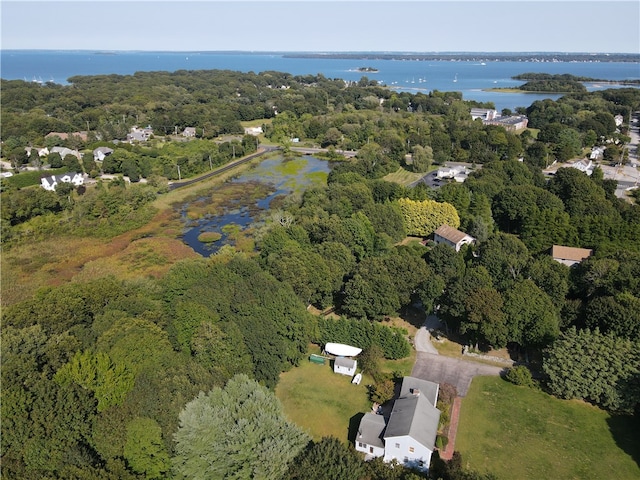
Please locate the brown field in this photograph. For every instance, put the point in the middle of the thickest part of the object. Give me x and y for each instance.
(148, 251)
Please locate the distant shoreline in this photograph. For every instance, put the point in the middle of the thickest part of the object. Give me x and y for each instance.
(476, 57)
(374, 55)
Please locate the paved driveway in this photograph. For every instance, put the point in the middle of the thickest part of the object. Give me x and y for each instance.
(441, 369)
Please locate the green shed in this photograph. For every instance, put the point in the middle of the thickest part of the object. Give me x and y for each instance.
(319, 359)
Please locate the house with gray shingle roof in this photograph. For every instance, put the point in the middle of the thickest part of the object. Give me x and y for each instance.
(345, 366)
(408, 434)
(64, 151)
(50, 182)
(189, 132)
(100, 153)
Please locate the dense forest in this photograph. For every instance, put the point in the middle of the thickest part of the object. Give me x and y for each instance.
(140, 377)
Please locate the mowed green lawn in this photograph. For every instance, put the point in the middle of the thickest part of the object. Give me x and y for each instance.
(322, 402)
(518, 433)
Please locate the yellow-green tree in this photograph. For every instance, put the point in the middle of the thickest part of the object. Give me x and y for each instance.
(422, 218)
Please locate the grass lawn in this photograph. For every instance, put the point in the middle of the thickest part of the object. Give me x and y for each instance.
(320, 401)
(403, 177)
(326, 404)
(516, 432)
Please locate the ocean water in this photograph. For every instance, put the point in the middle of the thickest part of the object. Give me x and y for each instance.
(469, 77)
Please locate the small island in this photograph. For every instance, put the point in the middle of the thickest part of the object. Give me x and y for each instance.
(549, 83)
(209, 237)
(368, 69)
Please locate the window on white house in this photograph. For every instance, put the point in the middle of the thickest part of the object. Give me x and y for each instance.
(411, 450)
(397, 445)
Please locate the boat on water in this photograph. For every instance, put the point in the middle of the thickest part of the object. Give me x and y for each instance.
(357, 379)
(455, 78)
(342, 350)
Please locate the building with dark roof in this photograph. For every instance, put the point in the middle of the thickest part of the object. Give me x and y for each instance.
(408, 434)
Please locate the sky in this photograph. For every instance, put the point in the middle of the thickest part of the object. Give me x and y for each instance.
(323, 26)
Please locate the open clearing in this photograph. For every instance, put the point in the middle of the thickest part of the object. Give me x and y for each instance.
(324, 403)
(518, 432)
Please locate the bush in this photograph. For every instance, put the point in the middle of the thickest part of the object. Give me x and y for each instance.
(520, 375)
(382, 391)
(441, 442)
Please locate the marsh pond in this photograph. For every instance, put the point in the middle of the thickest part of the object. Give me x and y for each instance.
(232, 212)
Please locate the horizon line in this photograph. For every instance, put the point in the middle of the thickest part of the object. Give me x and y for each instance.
(330, 52)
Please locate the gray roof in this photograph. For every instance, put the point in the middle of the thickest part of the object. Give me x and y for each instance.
(345, 362)
(105, 150)
(64, 151)
(425, 387)
(371, 429)
(416, 417)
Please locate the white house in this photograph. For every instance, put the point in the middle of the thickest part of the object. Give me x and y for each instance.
(345, 366)
(50, 183)
(139, 134)
(370, 436)
(596, 153)
(100, 153)
(452, 237)
(585, 166)
(448, 172)
(255, 131)
(510, 123)
(189, 132)
(42, 152)
(64, 151)
(483, 113)
(408, 435)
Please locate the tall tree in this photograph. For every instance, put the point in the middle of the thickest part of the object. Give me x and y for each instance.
(328, 458)
(506, 257)
(238, 431)
(145, 451)
(532, 318)
(602, 369)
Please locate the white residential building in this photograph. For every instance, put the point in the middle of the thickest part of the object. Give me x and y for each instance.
(408, 434)
(50, 182)
(452, 237)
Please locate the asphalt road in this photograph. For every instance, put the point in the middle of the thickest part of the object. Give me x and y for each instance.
(457, 372)
(218, 171)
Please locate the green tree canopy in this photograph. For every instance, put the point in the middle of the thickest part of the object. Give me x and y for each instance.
(422, 218)
(238, 431)
(602, 369)
(328, 458)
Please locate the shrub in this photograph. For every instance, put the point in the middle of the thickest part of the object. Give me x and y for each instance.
(382, 391)
(519, 375)
(441, 442)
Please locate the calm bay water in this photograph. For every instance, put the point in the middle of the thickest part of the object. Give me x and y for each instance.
(468, 77)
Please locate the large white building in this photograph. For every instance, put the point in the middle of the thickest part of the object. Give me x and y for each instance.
(408, 433)
(50, 182)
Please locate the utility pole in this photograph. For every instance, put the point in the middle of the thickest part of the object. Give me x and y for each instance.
(210, 164)
(179, 176)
